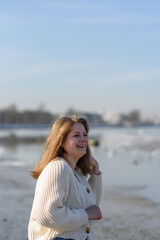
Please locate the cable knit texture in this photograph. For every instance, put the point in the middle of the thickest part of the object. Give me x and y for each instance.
(61, 197)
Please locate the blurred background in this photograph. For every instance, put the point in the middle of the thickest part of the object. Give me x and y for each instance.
(96, 59)
(88, 55)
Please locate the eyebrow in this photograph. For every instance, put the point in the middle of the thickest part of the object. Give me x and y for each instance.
(80, 132)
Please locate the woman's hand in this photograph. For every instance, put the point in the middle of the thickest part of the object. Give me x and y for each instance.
(94, 213)
(95, 166)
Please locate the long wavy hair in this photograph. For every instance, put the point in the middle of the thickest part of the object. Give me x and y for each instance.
(53, 146)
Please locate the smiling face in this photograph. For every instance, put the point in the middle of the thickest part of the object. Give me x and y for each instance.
(76, 142)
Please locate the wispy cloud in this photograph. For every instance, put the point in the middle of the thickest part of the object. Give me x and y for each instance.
(149, 74)
(23, 63)
(121, 19)
(74, 4)
(139, 76)
(43, 69)
(75, 72)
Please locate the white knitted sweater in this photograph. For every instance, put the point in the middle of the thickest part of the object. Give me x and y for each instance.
(60, 200)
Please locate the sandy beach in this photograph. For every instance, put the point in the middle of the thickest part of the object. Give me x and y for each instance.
(126, 215)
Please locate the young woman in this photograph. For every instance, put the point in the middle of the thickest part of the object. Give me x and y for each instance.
(66, 200)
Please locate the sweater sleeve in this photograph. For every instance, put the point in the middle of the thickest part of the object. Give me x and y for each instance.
(51, 191)
(96, 183)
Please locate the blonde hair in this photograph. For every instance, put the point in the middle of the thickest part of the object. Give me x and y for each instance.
(53, 146)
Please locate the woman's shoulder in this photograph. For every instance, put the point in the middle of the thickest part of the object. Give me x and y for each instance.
(57, 167)
(59, 164)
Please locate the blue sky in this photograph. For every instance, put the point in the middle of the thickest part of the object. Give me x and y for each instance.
(88, 55)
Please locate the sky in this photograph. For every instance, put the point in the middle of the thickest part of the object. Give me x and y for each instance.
(91, 56)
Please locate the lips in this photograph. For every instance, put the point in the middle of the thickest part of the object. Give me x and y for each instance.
(82, 146)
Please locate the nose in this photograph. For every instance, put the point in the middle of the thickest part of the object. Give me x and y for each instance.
(83, 139)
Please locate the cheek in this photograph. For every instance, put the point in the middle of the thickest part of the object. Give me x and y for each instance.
(74, 142)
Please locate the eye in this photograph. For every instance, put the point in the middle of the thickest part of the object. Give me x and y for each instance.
(76, 135)
(85, 135)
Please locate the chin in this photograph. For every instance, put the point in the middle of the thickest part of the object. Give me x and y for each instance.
(83, 154)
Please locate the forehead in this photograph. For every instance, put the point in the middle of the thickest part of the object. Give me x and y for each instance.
(78, 127)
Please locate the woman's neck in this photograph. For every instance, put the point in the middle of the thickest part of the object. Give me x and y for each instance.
(71, 161)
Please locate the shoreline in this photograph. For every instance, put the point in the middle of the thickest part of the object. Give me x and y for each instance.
(126, 214)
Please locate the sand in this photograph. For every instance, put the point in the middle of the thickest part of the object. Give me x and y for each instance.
(126, 215)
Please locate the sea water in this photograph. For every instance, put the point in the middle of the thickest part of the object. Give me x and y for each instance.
(127, 156)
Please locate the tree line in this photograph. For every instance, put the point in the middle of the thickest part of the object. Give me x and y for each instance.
(11, 115)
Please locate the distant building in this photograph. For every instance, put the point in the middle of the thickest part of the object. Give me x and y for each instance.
(112, 118)
(93, 118)
(157, 121)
